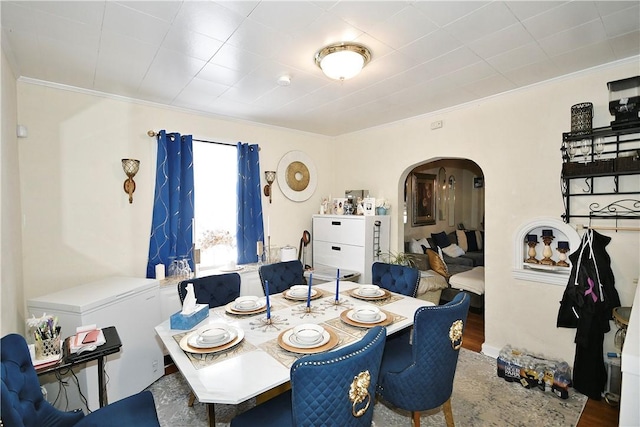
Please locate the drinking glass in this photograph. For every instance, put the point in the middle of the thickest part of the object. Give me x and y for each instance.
(585, 148)
(572, 150)
(599, 147)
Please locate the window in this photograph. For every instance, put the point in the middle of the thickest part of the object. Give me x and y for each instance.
(215, 174)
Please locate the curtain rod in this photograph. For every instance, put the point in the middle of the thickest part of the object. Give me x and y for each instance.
(153, 133)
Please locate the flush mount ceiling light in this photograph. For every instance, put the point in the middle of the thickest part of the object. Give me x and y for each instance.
(342, 61)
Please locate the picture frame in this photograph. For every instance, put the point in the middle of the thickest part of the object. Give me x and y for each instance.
(338, 205)
(478, 182)
(369, 206)
(423, 198)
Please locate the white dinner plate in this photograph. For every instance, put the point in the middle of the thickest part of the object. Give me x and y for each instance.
(301, 294)
(260, 304)
(239, 332)
(195, 341)
(352, 316)
(290, 339)
(378, 293)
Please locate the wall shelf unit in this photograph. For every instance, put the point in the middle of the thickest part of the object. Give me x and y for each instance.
(601, 173)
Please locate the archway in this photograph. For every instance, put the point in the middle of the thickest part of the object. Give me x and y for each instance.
(445, 195)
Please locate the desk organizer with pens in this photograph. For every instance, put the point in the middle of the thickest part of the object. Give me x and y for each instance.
(48, 347)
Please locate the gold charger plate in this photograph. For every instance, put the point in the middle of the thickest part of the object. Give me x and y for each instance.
(385, 295)
(385, 322)
(333, 341)
(229, 309)
(186, 347)
(319, 294)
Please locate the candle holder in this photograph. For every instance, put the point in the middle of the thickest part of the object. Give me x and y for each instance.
(532, 242)
(563, 248)
(336, 304)
(532, 253)
(304, 311)
(547, 252)
(275, 322)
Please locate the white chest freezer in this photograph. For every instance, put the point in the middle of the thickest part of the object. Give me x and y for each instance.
(130, 304)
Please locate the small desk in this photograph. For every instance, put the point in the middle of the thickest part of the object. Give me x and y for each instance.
(255, 367)
(112, 346)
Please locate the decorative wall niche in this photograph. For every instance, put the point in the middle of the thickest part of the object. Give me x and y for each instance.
(550, 273)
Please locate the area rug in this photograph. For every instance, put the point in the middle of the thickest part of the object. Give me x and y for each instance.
(480, 398)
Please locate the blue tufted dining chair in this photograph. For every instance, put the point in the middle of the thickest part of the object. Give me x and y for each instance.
(282, 275)
(336, 388)
(215, 290)
(24, 406)
(396, 278)
(419, 376)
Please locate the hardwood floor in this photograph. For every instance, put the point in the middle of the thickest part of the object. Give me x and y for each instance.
(597, 413)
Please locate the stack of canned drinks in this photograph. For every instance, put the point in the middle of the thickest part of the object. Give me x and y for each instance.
(534, 371)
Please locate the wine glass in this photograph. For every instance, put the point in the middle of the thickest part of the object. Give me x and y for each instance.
(572, 150)
(599, 147)
(585, 148)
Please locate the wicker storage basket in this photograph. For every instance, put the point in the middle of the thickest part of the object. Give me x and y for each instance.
(628, 164)
(578, 169)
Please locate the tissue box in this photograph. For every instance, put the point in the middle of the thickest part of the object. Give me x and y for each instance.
(188, 321)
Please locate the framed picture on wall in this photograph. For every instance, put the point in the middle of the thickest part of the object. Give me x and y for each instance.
(478, 182)
(423, 199)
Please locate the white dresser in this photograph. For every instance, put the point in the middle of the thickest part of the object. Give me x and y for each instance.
(350, 242)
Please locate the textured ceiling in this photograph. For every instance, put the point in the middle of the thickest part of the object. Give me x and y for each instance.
(225, 57)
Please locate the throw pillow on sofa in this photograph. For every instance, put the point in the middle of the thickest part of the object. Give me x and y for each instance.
(441, 239)
(461, 236)
(437, 264)
(469, 240)
(453, 250)
(418, 246)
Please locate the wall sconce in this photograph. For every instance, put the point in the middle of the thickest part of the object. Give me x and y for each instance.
(269, 176)
(130, 167)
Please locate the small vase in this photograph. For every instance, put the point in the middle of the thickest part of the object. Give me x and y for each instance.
(381, 211)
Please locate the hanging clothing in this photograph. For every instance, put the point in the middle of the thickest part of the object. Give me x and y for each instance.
(587, 305)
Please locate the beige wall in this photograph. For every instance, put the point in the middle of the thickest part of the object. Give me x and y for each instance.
(79, 225)
(515, 138)
(12, 296)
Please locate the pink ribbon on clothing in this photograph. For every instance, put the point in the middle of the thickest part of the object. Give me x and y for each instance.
(590, 290)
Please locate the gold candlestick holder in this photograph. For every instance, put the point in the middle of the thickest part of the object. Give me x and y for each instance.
(547, 252)
(265, 324)
(336, 304)
(303, 311)
(532, 253)
(563, 248)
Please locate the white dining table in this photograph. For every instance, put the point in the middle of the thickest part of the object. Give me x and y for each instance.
(258, 363)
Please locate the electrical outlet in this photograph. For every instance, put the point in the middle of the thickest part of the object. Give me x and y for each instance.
(436, 125)
(154, 365)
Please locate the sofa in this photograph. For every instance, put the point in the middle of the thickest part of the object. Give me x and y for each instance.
(470, 241)
(441, 267)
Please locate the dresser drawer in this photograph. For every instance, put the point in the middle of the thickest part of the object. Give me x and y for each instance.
(340, 230)
(338, 255)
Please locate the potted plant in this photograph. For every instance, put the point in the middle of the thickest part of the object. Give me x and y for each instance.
(382, 206)
(400, 258)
